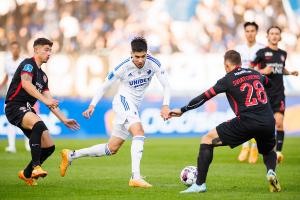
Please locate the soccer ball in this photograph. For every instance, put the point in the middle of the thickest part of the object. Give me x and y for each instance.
(188, 175)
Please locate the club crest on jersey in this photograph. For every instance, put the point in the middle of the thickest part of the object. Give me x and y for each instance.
(149, 71)
(282, 58)
(45, 78)
(28, 68)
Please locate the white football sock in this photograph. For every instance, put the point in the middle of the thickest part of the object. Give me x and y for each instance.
(246, 144)
(26, 143)
(137, 147)
(11, 136)
(93, 151)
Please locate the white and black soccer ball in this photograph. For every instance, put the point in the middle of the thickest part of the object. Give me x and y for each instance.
(188, 175)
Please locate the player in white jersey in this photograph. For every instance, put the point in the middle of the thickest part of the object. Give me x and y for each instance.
(11, 63)
(135, 74)
(248, 54)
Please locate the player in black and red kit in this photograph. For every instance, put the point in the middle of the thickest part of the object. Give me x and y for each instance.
(246, 94)
(28, 85)
(270, 61)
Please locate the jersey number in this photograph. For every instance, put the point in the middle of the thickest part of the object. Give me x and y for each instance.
(260, 93)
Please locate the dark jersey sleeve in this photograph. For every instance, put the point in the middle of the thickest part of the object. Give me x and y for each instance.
(219, 87)
(257, 61)
(27, 69)
(266, 81)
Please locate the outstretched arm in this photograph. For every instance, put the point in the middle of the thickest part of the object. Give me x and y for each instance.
(286, 72)
(163, 79)
(219, 87)
(111, 78)
(70, 123)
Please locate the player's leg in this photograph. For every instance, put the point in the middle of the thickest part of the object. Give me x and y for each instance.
(137, 148)
(244, 151)
(205, 157)
(11, 137)
(253, 156)
(266, 142)
(99, 150)
(31, 121)
(280, 135)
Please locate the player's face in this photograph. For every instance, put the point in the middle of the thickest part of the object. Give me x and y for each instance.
(43, 52)
(274, 36)
(250, 33)
(139, 58)
(15, 50)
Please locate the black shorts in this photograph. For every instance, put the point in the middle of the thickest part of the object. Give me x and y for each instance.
(237, 131)
(277, 103)
(15, 113)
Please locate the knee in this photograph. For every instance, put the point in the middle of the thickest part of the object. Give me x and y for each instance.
(206, 140)
(39, 127)
(279, 125)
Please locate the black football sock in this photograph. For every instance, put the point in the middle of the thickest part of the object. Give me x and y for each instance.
(270, 160)
(279, 140)
(205, 157)
(46, 152)
(35, 142)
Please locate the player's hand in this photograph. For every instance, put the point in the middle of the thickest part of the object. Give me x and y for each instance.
(175, 113)
(294, 73)
(164, 113)
(72, 124)
(51, 103)
(267, 70)
(89, 112)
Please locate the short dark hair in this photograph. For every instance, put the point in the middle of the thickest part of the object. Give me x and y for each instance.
(139, 44)
(42, 41)
(250, 24)
(233, 57)
(14, 43)
(273, 27)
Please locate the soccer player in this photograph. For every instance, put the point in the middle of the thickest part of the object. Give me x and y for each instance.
(135, 74)
(248, 53)
(30, 83)
(246, 94)
(11, 63)
(271, 62)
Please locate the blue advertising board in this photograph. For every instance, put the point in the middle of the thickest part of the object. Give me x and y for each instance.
(193, 123)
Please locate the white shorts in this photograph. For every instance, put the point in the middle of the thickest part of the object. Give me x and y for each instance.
(126, 115)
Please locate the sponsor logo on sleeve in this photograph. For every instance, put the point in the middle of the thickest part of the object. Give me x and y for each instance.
(28, 68)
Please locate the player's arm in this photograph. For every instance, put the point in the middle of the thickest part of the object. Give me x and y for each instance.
(287, 72)
(4, 81)
(201, 99)
(70, 123)
(26, 80)
(110, 79)
(163, 79)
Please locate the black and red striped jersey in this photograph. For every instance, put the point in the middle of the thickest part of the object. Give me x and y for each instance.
(245, 91)
(16, 93)
(276, 59)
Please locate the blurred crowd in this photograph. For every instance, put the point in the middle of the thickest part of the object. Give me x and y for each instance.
(100, 26)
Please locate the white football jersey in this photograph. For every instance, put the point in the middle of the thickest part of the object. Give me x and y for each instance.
(10, 67)
(248, 54)
(135, 81)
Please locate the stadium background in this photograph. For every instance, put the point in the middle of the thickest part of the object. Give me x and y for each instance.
(189, 38)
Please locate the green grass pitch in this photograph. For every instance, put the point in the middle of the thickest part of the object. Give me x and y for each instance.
(163, 159)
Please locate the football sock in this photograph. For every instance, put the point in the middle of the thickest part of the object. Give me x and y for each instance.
(46, 152)
(245, 144)
(11, 136)
(205, 157)
(137, 147)
(35, 142)
(93, 151)
(270, 160)
(279, 140)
